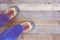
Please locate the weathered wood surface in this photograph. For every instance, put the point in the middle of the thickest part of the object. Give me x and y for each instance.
(33, 6)
(29, 1)
(47, 22)
(44, 25)
(38, 1)
(39, 37)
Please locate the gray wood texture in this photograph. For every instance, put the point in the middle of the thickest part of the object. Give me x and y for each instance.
(47, 22)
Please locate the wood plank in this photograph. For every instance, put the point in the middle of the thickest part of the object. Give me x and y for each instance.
(40, 36)
(5, 1)
(38, 6)
(45, 27)
(38, 21)
(56, 36)
(36, 1)
(38, 14)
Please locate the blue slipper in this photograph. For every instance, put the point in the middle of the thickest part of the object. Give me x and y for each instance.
(8, 15)
(14, 31)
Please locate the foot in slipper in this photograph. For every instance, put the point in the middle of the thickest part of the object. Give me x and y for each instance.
(8, 15)
(14, 31)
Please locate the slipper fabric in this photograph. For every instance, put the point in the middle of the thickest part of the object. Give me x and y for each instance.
(3, 19)
(12, 32)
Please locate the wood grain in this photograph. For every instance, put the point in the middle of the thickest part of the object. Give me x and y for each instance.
(38, 21)
(40, 36)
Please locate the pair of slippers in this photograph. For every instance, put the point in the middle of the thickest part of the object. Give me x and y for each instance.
(15, 30)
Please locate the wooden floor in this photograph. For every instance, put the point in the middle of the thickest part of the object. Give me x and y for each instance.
(47, 23)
